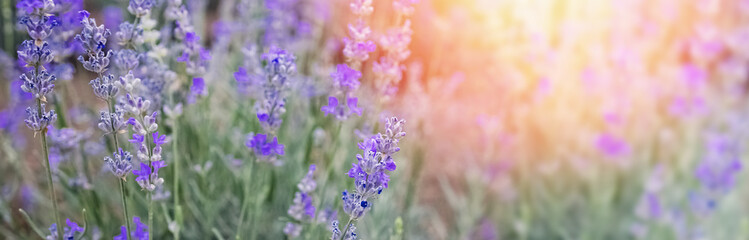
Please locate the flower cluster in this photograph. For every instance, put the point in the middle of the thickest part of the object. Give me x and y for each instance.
(302, 210)
(250, 75)
(283, 22)
(38, 82)
(278, 70)
(145, 134)
(93, 38)
(350, 232)
(194, 55)
(264, 148)
(370, 173)
(68, 231)
(388, 70)
(37, 120)
(721, 163)
(346, 81)
(357, 48)
(148, 176)
(140, 232)
(271, 105)
(112, 122)
(120, 163)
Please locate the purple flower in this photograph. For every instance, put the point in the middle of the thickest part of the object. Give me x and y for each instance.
(105, 87)
(35, 55)
(39, 84)
(112, 122)
(370, 172)
(120, 164)
(68, 232)
(195, 56)
(38, 122)
(196, 90)
(279, 67)
(140, 8)
(148, 179)
(144, 173)
(141, 230)
(264, 148)
(39, 26)
(611, 145)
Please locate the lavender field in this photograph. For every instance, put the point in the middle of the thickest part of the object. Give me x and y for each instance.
(374, 119)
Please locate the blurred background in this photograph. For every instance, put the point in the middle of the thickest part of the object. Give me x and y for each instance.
(526, 119)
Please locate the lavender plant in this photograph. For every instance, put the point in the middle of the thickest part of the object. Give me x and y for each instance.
(39, 22)
(370, 175)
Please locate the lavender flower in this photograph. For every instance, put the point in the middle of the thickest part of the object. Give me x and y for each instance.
(39, 83)
(147, 178)
(370, 172)
(128, 82)
(35, 7)
(346, 81)
(350, 234)
(104, 87)
(129, 34)
(717, 170)
(140, 232)
(68, 232)
(265, 149)
(195, 56)
(65, 139)
(302, 210)
(93, 38)
(112, 122)
(120, 164)
(279, 67)
(196, 90)
(39, 122)
(140, 8)
(34, 55)
(388, 70)
(38, 24)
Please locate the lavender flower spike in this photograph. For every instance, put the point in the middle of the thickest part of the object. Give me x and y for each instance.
(39, 123)
(370, 172)
(120, 164)
(302, 210)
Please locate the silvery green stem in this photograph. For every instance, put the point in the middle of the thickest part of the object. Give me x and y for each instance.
(175, 156)
(51, 184)
(343, 234)
(122, 181)
(124, 205)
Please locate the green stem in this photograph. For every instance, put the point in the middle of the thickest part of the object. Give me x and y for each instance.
(51, 184)
(245, 201)
(124, 205)
(122, 181)
(175, 156)
(348, 224)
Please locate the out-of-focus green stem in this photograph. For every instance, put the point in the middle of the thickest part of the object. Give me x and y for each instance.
(245, 201)
(175, 156)
(32, 224)
(7, 26)
(45, 151)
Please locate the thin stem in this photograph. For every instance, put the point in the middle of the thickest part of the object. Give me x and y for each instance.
(51, 184)
(122, 181)
(245, 201)
(343, 234)
(124, 205)
(175, 156)
(150, 216)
